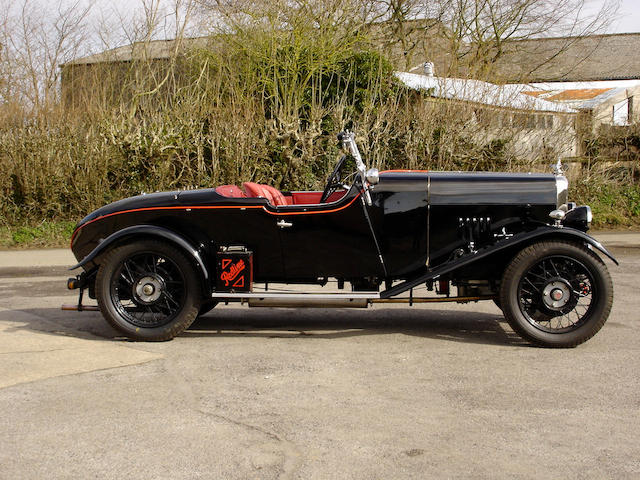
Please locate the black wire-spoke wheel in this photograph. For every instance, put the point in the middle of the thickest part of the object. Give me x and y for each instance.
(556, 294)
(148, 290)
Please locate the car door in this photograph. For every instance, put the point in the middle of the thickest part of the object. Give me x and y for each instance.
(330, 240)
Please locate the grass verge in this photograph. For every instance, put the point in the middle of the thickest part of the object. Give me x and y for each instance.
(615, 205)
(46, 234)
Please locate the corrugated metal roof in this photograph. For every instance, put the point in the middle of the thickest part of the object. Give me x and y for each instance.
(589, 97)
(571, 95)
(537, 93)
(506, 96)
(581, 85)
(586, 58)
(603, 97)
(584, 94)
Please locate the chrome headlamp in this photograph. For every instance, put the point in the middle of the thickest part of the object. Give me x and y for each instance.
(579, 218)
(373, 176)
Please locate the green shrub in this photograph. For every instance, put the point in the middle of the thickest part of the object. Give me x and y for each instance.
(614, 203)
(263, 104)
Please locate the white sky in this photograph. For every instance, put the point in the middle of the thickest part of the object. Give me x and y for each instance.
(627, 19)
(115, 16)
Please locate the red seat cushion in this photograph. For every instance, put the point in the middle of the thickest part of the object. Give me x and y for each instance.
(230, 191)
(273, 195)
(311, 198)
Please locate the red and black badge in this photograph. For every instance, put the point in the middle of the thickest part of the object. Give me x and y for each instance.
(234, 271)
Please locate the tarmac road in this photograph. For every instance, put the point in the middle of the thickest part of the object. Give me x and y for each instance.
(445, 391)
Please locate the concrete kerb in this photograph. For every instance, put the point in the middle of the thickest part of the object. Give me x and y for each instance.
(618, 239)
(54, 257)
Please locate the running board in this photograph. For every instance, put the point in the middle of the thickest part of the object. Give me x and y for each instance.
(298, 299)
(330, 300)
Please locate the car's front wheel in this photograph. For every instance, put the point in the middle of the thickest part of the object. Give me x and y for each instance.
(148, 290)
(556, 294)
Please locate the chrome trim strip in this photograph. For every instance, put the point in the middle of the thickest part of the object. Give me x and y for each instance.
(297, 296)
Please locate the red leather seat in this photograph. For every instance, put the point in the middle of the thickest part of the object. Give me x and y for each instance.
(230, 191)
(273, 195)
(278, 197)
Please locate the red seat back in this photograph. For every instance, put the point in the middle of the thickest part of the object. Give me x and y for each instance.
(273, 195)
(230, 191)
(278, 197)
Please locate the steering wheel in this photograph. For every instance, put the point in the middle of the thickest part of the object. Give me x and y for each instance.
(334, 181)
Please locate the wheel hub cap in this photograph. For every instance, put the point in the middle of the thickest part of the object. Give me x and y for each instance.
(148, 289)
(556, 294)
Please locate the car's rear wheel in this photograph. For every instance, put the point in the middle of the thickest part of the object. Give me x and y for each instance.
(556, 294)
(148, 290)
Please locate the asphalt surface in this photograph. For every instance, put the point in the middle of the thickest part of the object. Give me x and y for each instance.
(444, 391)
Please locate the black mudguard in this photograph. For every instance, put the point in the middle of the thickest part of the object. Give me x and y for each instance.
(540, 233)
(149, 231)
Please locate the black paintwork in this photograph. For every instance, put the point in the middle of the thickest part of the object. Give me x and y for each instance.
(490, 251)
(421, 221)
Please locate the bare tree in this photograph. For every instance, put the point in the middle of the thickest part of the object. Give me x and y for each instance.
(468, 37)
(5, 70)
(180, 16)
(482, 31)
(35, 44)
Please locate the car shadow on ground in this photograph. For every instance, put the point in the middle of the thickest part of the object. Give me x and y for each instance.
(458, 326)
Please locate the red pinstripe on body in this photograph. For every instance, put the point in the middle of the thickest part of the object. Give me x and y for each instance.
(213, 207)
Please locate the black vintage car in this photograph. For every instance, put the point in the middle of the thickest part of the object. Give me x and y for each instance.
(155, 262)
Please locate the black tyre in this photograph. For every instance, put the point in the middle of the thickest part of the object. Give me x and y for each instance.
(148, 290)
(556, 294)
